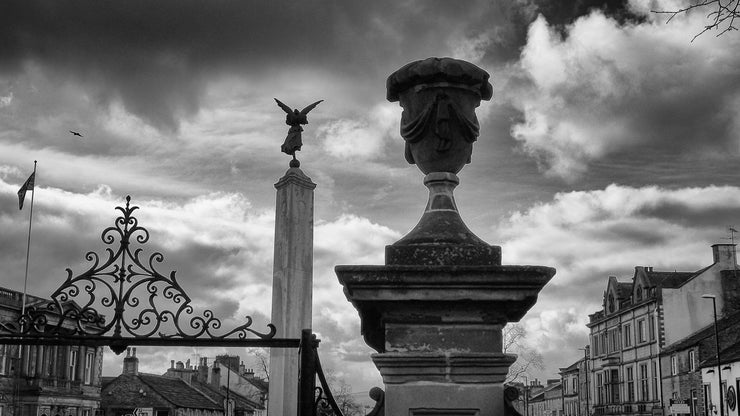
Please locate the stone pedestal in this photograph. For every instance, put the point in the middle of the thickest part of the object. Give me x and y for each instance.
(435, 311)
(292, 284)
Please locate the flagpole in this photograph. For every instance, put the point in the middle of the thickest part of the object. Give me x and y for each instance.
(28, 246)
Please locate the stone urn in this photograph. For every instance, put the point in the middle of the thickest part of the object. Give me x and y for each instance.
(439, 97)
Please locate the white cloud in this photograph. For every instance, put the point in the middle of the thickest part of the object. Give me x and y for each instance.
(363, 137)
(590, 235)
(606, 87)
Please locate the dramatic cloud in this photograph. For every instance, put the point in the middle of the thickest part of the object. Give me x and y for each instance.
(605, 87)
(590, 235)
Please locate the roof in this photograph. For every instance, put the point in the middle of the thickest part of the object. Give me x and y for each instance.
(728, 355)
(671, 280)
(729, 322)
(178, 392)
(572, 367)
(261, 384)
(240, 402)
(624, 290)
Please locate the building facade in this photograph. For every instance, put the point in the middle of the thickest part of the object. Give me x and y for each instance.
(46, 380)
(639, 318)
(573, 389)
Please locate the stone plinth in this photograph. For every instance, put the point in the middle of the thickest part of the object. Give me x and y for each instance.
(438, 329)
(292, 284)
(435, 311)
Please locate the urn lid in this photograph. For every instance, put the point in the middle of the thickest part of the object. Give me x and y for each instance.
(433, 70)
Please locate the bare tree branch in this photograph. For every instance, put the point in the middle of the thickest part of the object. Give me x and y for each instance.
(721, 17)
(528, 358)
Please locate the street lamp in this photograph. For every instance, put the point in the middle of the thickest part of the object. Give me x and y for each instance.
(526, 395)
(585, 365)
(716, 340)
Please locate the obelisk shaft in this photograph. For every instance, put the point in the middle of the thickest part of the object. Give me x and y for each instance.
(292, 281)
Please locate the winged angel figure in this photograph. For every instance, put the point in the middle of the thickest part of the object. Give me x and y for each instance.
(294, 119)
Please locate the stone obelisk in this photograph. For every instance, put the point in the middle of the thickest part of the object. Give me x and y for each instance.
(292, 281)
(435, 311)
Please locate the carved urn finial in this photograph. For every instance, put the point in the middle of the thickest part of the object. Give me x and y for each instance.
(439, 97)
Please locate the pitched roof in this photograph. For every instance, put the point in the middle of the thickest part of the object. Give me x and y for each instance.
(572, 367)
(728, 355)
(178, 392)
(670, 279)
(624, 290)
(219, 396)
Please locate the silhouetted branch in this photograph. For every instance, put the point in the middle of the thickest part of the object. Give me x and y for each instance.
(721, 17)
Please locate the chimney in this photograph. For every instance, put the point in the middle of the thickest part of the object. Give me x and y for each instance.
(203, 369)
(241, 367)
(131, 363)
(172, 363)
(187, 364)
(216, 376)
(249, 373)
(180, 365)
(725, 255)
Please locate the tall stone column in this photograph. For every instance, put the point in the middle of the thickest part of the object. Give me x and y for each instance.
(292, 283)
(435, 311)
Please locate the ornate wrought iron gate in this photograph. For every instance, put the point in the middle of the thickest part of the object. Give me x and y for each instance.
(125, 285)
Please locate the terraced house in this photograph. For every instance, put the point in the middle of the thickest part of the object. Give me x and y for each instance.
(642, 316)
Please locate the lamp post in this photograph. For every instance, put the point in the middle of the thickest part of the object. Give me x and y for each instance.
(585, 372)
(526, 396)
(716, 340)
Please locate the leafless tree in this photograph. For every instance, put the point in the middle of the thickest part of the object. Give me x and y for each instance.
(528, 358)
(262, 360)
(721, 15)
(342, 393)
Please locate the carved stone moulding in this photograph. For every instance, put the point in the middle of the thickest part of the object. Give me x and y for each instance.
(439, 97)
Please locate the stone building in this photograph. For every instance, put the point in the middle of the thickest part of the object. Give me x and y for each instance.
(682, 361)
(730, 370)
(639, 319)
(573, 388)
(178, 393)
(548, 401)
(46, 380)
(226, 372)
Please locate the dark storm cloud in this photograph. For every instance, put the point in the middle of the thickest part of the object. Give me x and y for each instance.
(157, 57)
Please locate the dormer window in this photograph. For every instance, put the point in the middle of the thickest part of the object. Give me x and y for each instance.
(639, 293)
(611, 302)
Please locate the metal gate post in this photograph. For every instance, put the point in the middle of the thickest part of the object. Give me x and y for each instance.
(307, 378)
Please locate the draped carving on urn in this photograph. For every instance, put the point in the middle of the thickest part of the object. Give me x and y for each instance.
(439, 97)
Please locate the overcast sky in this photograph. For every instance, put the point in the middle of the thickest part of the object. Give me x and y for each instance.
(611, 142)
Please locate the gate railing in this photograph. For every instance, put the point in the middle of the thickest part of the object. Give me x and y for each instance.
(124, 280)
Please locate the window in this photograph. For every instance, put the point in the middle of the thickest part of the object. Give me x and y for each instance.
(630, 384)
(614, 386)
(639, 293)
(641, 331)
(614, 335)
(595, 343)
(574, 385)
(651, 319)
(656, 393)
(3, 358)
(600, 388)
(72, 364)
(674, 365)
(644, 395)
(627, 335)
(692, 361)
(89, 367)
(604, 343)
(707, 400)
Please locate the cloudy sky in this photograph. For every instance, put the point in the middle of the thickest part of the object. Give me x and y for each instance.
(611, 142)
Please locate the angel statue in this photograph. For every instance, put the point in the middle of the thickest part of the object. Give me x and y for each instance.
(294, 119)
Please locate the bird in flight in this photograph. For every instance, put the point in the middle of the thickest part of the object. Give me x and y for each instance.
(75, 133)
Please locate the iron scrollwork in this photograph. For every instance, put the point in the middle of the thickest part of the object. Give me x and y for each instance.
(125, 280)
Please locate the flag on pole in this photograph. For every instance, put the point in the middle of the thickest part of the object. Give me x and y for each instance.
(28, 186)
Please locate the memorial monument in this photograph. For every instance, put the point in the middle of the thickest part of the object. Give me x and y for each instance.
(292, 273)
(435, 311)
